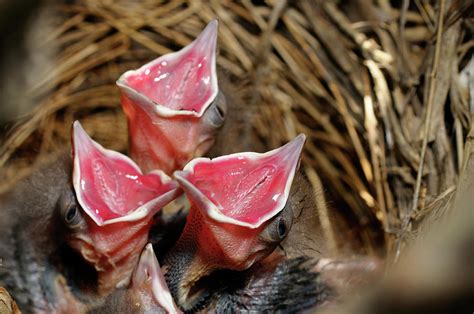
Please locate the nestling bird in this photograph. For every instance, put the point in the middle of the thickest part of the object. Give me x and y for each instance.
(147, 293)
(239, 214)
(33, 252)
(173, 105)
(117, 205)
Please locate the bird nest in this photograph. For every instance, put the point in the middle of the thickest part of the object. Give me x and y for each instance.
(375, 86)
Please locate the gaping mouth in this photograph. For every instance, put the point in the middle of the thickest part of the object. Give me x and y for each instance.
(179, 83)
(111, 188)
(244, 189)
(149, 278)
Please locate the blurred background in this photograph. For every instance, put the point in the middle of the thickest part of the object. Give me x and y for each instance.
(382, 89)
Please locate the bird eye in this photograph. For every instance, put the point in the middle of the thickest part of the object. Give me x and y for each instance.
(217, 111)
(69, 210)
(71, 214)
(282, 229)
(279, 227)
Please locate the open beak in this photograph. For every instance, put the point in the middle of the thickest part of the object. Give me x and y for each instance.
(149, 288)
(165, 101)
(233, 199)
(119, 203)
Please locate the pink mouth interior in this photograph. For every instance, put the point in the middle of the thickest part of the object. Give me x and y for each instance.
(247, 187)
(182, 80)
(110, 185)
(242, 188)
(149, 280)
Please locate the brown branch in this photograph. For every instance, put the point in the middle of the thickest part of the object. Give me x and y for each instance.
(427, 128)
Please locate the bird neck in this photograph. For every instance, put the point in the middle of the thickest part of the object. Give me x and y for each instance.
(185, 270)
(113, 250)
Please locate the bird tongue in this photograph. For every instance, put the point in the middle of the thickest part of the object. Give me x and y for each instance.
(165, 100)
(149, 286)
(245, 189)
(111, 188)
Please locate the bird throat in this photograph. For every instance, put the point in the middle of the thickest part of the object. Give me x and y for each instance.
(186, 273)
(113, 250)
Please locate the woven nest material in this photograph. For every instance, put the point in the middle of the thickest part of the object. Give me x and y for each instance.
(374, 85)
